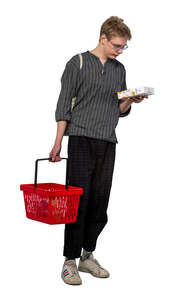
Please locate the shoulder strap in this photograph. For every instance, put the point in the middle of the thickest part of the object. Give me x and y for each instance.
(81, 64)
(81, 60)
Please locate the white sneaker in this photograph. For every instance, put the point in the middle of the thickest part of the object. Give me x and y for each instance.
(91, 265)
(70, 272)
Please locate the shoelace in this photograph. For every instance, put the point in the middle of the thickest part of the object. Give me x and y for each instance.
(72, 269)
(97, 263)
(88, 256)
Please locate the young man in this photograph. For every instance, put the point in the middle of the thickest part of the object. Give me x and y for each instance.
(90, 125)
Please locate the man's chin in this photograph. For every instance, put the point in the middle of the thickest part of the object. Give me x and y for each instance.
(113, 56)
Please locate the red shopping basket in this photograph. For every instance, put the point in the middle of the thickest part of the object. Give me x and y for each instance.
(51, 203)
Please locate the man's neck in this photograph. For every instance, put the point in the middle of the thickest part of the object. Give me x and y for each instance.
(98, 51)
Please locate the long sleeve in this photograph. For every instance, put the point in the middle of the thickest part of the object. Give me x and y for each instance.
(68, 90)
(124, 87)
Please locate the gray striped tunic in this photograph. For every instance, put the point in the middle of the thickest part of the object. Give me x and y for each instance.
(96, 110)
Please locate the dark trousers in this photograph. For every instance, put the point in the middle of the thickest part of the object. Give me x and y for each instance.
(90, 166)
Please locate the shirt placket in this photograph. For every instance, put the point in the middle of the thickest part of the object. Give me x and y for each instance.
(102, 70)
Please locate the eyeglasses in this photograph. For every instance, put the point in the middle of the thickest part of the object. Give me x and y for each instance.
(118, 47)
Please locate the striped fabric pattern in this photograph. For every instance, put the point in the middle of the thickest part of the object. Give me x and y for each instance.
(96, 109)
(65, 273)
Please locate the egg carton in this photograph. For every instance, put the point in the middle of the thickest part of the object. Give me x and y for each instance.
(136, 92)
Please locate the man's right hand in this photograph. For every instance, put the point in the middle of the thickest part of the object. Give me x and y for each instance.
(55, 153)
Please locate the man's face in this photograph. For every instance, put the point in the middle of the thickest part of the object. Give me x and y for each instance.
(109, 46)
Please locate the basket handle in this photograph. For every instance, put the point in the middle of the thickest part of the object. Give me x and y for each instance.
(49, 158)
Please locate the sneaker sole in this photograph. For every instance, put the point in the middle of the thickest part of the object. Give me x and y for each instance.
(87, 271)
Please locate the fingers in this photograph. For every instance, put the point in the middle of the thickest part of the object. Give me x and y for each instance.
(55, 154)
(55, 157)
(138, 99)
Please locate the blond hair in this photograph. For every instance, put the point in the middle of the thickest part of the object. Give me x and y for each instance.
(115, 27)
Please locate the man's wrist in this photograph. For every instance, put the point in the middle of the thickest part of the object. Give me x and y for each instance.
(125, 105)
(57, 142)
(129, 101)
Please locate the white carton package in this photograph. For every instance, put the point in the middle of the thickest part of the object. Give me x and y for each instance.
(136, 92)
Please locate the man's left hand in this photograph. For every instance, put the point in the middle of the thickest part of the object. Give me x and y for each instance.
(138, 99)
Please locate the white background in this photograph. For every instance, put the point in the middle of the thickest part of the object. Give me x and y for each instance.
(37, 39)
